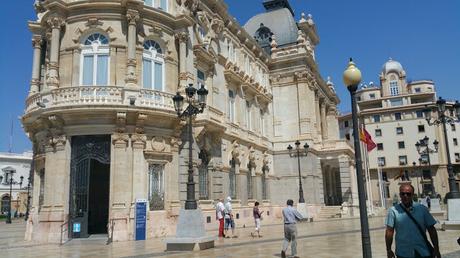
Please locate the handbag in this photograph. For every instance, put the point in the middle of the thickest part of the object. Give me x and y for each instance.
(428, 244)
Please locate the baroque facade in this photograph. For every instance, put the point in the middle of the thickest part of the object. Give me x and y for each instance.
(393, 115)
(105, 132)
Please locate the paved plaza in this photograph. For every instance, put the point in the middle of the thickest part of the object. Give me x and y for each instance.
(331, 238)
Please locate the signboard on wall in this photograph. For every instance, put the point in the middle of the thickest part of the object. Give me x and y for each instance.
(141, 219)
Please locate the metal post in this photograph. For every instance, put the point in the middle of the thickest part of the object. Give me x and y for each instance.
(190, 203)
(454, 193)
(28, 200)
(301, 199)
(431, 171)
(365, 236)
(8, 219)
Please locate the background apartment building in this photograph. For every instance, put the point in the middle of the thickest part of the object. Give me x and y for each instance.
(393, 115)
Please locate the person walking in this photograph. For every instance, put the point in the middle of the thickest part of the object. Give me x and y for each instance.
(410, 221)
(220, 216)
(257, 214)
(229, 219)
(291, 216)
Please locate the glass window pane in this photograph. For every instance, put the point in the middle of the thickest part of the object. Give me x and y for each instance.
(148, 2)
(147, 74)
(88, 70)
(159, 76)
(102, 69)
(163, 4)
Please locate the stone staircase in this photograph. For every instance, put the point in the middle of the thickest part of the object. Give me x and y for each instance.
(328, 212)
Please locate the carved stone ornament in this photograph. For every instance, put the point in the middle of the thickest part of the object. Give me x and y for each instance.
(55, 22)
(59, 142)
(158, 144)
(139, 141)
(140, 122)
(37, 41)
(132, 16)
(93, 22)
(182, 36)
(236, 150)
(120, 140)
(175, 142)
(121, 121)
(217, 25)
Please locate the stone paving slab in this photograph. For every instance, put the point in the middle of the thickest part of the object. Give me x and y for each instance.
(324, 239)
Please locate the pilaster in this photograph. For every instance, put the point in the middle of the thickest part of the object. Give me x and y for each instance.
(55, 23)
(132, 17)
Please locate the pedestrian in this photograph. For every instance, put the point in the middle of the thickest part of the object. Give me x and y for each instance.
(410, 221)
(220, 216)
(428, 202)
(257, 214)
(291, 216)
(229, 219)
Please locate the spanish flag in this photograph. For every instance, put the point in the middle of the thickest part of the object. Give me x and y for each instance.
(365, 137)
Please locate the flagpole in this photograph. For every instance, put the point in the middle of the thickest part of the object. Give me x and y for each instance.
(10, 147)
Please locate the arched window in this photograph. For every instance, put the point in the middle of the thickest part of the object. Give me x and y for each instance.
(95, 60)
(152, 66)
(160, 4)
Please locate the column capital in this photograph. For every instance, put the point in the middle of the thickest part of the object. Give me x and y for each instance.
(182, 36)
(37, 41)
(120, 140)
(138, 141)
(55, 22)
(132, 16)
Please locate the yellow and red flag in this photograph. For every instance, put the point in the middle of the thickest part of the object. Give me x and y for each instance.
(365, 137)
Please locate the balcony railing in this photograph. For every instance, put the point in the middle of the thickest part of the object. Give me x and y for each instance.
(100, 95)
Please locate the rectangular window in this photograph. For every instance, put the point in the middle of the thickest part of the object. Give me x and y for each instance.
(417, 90)
(405, 176)
(231, 106)
(102, 69)
(88, 70)
(147, 74)
(158, 76)
(402, 160)
(419, 113)
(401, 145)
(201, 78)
(378, 132)
(421, 128)
(379, 146)
(455, 141)
(156, 187)
(457, 157)
(372, 96)
(381, 161)
(399, 130)
(376, 118)
(452, 127)
(398, 116)
(394, 88)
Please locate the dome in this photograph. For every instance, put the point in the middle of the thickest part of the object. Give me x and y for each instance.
(280, 22)
(392, 66)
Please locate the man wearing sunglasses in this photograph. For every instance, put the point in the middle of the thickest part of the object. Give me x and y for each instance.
(410, 221)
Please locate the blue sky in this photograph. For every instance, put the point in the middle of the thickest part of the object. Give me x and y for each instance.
(424, 35)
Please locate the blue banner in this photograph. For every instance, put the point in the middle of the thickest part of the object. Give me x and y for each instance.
(141, 219)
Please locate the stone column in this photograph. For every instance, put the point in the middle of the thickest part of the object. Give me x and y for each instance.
(132, 17)
(183, 38)
(53, 70)
(332, 123)
(120, 189)
(318, 116)
(323, 120)
(140, 178)
(35, 82)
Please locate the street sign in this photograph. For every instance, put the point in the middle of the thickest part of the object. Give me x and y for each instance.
(141, 219)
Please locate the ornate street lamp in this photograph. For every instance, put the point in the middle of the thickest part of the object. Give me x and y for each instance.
(11, 182)
(351, 79)
(299, 152)
(443, 119)
(424, 150)
(195, 107)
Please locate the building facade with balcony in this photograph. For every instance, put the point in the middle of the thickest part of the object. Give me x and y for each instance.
(393, 115)
(105, 132)
(13, 167)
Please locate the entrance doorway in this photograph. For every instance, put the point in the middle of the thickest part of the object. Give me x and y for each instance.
(89, 185)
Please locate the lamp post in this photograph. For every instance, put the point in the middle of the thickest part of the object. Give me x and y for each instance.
(424, 150)
(443, 119)
(26, 217)
(299, 152)
(351, 79)
(11, 182)
(195, 106)
(416, 172)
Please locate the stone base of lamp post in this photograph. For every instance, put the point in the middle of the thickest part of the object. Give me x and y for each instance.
(190, 233)
(453, 215)
(303, 210)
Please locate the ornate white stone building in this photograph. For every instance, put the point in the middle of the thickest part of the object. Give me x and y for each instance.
(105, 132)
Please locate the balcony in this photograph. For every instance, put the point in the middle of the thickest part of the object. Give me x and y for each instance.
(85, 96)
